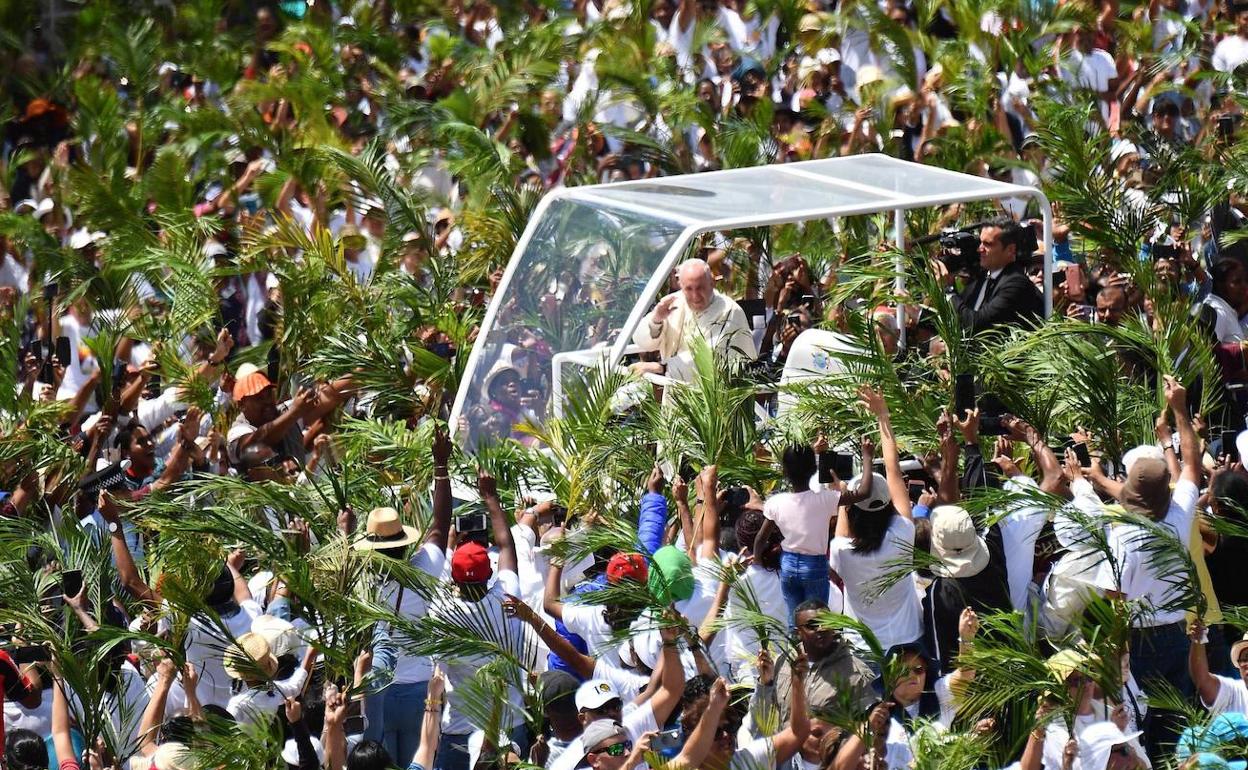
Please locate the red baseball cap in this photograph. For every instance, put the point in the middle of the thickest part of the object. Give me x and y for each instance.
(471, 563)
(627, 566)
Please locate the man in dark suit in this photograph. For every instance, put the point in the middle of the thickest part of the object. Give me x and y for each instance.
(1002, 294)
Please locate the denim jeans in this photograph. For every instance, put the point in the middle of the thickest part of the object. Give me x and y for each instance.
(803, 577)
(453, 749)
(452, 753)
(394, 719)
(1157, 653)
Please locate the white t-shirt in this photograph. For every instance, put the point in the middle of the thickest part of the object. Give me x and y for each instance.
(488, 616)
(1226, 326)
(1232, 697)
(255, 703)
(1019, 531)
(636, 723)
(1231, 52)
(412, 605)
(1139, 579)
(587, 622)
(758, 589)
(205, 648)
(894, 615)
(803, 519)
(1093, 70)
(758, 754)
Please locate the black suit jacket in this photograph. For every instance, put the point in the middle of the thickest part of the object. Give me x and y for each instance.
(1014, 300)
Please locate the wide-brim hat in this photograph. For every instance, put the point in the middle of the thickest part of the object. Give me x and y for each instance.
(282, 636)
(956, 542)
(248, 656)
(383, 530)
(172, 756)
(1236, 649)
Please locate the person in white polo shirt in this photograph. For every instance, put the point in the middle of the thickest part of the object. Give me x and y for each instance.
(1219, 694)
(1159, 642)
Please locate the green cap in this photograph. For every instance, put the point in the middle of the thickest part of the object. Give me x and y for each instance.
(671, 575)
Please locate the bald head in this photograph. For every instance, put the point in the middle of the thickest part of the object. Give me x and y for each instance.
(696, 284)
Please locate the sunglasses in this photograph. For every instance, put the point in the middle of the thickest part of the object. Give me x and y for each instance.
(1121, 751)
(812, 625)
(618, 749)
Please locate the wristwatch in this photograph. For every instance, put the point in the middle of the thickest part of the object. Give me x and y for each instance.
(113, 528)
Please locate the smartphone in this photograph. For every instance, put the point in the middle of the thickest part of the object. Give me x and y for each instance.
(1229, 447)
(667, 743)
(62, 351)
(963, 394)
(33, 654)
(1084, 312)
(686, 471)
(355, 722)
(916, 487)
(471, 522)
(1226, 126)
(824, 462)
(736, 498)
(71, 582)
(49, 291)
(1082, 454)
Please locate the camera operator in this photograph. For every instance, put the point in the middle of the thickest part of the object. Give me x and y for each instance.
(1000, 293)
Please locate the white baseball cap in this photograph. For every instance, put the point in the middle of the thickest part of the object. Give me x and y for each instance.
(595, 694)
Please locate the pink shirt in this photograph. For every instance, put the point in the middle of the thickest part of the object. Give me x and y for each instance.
(803, 519)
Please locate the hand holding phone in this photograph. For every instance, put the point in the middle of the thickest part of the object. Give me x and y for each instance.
(71, 582)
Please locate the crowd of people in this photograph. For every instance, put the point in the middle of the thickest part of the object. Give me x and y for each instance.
(246, 249)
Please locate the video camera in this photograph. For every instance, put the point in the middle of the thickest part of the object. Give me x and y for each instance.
(959, 249)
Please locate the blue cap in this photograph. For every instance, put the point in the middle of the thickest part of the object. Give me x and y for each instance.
(1222, 730)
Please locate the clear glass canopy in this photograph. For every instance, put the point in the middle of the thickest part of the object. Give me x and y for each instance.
(593, 259)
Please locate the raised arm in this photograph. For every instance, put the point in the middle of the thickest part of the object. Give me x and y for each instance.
(154, 713)
(680, 492)
(789, 741)
(1189, 442)
(710, 513)
(273, 431)
(431, 725)
(61, 739)
(672, 678)
(582, 664)
(698, 745)
(867, 479)
(333, 735)
(234, 562)
(947, 491)
(1198, 665)
(652, 517)
(440, 526)
(552, 601)
(874, 402)
(1051, 480)
(507, 559)
(126, 569)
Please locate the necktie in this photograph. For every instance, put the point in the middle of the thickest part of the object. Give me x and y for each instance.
(989, 284)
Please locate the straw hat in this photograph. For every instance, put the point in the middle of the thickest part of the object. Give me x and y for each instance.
(250, 654)
(384, 530)
(172, 756)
